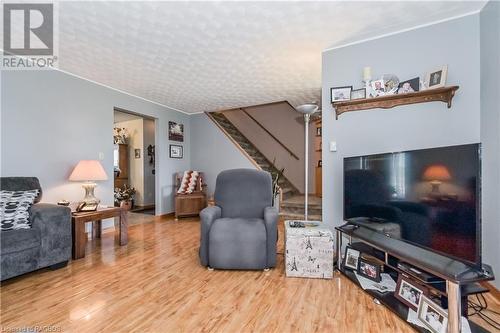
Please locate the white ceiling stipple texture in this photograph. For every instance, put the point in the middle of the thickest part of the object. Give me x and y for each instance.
(206, 56)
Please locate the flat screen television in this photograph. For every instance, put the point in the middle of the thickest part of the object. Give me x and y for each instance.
(431, 197)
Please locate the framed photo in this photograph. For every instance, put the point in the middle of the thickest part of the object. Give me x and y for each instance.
(378, 88)
(175, 131)
(409, 86)
(176, 151)
(432, 315)
(369, 270)
(437, 78)
(409, 292)
(318, 131)
(339, 94)
(358, 93)
(351, 258)
(137, 153)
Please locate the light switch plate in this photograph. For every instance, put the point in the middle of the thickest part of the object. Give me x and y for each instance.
(101, 156)
(333, 146)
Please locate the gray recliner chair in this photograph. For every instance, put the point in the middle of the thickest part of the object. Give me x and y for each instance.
(46, 244)
(240, 231)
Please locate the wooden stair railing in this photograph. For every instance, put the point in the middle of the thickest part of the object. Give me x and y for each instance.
(270, 134)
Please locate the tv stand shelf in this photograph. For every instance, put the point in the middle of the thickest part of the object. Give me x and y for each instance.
(458, 278)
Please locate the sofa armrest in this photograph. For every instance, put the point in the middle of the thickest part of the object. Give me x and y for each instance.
(208, 215)
(271, 217)
(54, 223)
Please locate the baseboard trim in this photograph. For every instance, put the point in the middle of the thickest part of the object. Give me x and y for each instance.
(172, 214)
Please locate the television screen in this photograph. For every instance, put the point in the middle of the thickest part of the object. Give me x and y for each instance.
(428, 197)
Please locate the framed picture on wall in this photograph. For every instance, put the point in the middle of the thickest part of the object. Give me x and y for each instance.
(175, 131)
(176, 151)
(137, 153)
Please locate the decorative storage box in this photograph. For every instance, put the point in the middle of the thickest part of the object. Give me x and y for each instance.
(309, 250)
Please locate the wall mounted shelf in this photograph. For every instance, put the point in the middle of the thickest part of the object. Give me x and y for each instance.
(444, 94)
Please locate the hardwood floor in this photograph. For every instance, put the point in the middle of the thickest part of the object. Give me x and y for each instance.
(155, 284)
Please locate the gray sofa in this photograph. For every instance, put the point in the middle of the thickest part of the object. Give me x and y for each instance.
(46, 244)
(240, 231)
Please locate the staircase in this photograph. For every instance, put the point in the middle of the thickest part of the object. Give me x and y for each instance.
(292, 205)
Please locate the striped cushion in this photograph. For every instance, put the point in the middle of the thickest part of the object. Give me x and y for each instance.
(189, 182)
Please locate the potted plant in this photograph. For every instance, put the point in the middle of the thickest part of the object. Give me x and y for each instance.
(124, 197)
(275, 175)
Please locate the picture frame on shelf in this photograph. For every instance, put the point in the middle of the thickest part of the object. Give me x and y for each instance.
(351, 258)
(409, 86)
(176, 151)
(409, 292)
(368, 270)
(434, 317)
(339, 94)
(358, 94)
(437, 78)
(378, 88)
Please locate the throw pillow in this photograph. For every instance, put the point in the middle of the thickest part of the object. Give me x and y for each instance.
(14, 209)
(189, 182)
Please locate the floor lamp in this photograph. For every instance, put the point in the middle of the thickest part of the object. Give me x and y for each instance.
(307, 110)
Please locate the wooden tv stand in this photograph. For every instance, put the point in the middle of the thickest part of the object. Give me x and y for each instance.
(459, 279)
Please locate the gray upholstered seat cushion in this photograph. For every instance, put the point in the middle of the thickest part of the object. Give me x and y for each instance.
(19, 240)
(238, 243)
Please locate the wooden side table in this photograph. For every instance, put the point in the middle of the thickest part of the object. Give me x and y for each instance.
(78, 223)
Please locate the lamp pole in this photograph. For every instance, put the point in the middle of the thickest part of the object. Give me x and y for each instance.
(307, 117)
(307, 110)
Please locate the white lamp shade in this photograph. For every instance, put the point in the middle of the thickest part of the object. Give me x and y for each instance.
(87, 170)
(307, 108)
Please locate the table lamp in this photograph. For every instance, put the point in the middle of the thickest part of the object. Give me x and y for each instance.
(436, 174)
(88, 171)
(307, 110)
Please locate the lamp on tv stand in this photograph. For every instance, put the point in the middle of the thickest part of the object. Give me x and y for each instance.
(307, 110)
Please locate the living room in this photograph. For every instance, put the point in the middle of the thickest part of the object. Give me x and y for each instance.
(195, 77)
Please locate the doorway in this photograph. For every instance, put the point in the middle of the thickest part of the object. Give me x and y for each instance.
(134, 161)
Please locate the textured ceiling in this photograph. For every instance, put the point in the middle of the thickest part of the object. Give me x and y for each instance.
(206, 56)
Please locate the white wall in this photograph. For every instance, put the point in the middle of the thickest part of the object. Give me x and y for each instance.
(490, 133)
(135, 130)
(51, 120)
(212, 152)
